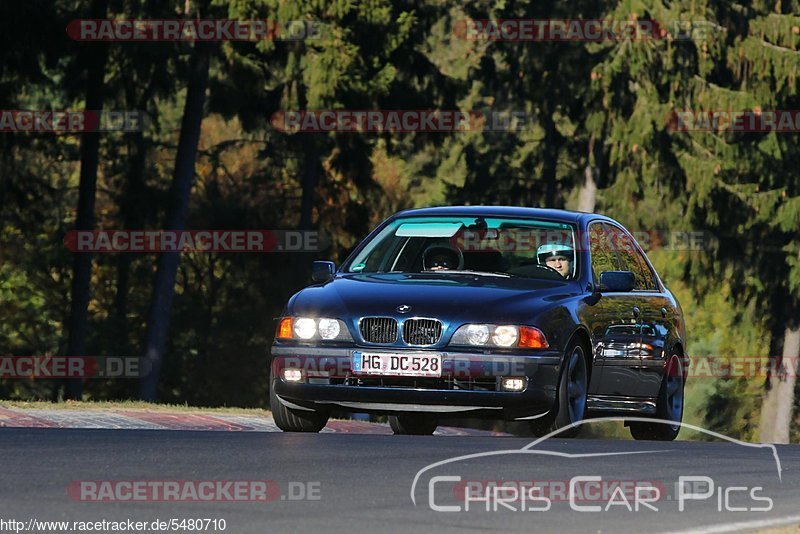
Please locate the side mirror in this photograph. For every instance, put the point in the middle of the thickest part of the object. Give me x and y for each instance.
(617, 281)
(322, 271)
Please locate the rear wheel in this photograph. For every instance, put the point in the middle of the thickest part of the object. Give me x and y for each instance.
(293, 420)
(669, 406)
(571, 400)
(414, 424)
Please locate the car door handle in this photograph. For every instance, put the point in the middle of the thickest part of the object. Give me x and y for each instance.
(636, 312)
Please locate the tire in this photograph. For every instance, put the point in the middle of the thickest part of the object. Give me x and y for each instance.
(413, 424)
(291, 420)
(570, 405)
(669, 405)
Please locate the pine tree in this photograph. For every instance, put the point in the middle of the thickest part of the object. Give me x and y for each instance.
(742, 187)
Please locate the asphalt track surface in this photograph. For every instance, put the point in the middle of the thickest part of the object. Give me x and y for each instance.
(363, 482)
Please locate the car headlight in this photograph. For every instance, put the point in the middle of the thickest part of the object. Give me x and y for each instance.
(329, 328)
(305, 328)
(477, 334)
(504, 336)
(309, 328)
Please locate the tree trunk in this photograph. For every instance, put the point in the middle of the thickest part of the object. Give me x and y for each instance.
(587, 197)
(131, 209)
(778, 404)
(182, 180)
(308, 181)
(552, 144)
(85, 219)
(776, 412)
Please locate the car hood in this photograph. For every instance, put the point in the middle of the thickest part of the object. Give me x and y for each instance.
(451, 297)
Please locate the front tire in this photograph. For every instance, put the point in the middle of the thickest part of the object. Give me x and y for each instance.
(669, 406)
(573, 387)
(292, 420)
(413, 424)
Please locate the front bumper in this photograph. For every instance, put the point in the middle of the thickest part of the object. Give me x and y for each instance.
(469, 385)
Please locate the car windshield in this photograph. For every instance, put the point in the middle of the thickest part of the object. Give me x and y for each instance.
(488, 246)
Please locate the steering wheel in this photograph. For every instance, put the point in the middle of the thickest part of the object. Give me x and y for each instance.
(547, 267)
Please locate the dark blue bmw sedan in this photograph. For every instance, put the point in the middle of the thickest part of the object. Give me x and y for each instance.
(522, 314)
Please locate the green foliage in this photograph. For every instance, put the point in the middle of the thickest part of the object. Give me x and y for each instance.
(717, 327)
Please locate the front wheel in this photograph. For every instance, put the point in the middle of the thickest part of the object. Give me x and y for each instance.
(293, 420)
(573, 387)
(669, 406)
(414, 424)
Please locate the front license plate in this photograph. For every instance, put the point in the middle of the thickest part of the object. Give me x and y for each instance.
(384, 364)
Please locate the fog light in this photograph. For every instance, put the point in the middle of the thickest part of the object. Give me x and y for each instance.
(513, 383)
(292, 375)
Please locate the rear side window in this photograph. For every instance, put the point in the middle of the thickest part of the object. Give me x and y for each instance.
(649, 279)
(630, 259)
(603, 257)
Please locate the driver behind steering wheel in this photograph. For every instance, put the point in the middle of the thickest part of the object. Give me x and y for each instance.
(557, 256)
(442, 258)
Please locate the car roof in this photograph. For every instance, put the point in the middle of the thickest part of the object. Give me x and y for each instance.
(505, 211)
